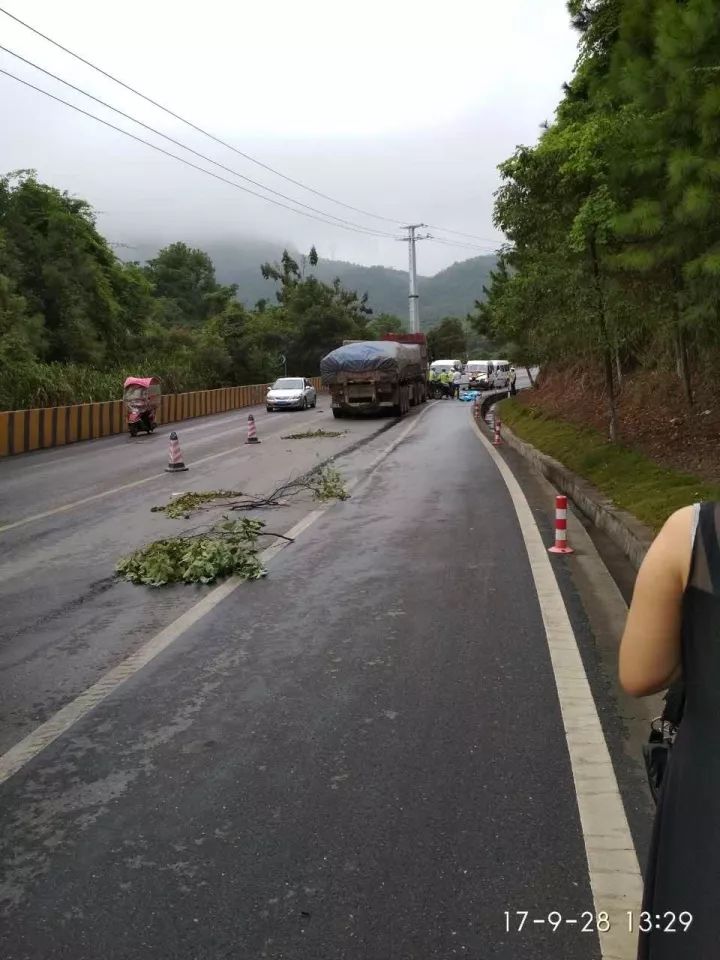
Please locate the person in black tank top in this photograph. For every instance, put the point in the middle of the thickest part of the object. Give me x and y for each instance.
(673, 631)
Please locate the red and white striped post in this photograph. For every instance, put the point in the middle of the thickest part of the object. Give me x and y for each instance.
(561, 544)
(497, 436)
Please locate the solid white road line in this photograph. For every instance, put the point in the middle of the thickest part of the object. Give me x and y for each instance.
(613, 869)
(31, 745)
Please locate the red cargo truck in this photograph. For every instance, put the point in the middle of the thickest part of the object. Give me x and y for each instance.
(418, 338)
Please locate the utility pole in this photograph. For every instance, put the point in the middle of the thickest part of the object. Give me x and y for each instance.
(413, 298)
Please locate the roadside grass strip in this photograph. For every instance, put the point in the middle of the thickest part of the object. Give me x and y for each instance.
(631, 480)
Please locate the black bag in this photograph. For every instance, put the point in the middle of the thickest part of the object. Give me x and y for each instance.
(656, 752)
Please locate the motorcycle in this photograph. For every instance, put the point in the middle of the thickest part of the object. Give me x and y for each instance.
(142, 400)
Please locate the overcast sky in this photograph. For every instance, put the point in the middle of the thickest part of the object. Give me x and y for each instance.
(402, 108)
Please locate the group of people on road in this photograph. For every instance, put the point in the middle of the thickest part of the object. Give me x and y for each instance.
(450, 382)
(446, 381)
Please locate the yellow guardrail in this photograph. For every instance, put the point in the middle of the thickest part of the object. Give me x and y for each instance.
(24, 430)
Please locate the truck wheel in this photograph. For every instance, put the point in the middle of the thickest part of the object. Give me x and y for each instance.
(339, 414)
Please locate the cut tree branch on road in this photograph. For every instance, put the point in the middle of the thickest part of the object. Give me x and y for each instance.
(228, 547)
(324, 484)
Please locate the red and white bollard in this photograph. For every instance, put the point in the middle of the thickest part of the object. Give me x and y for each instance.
(252, 436)
(561, 544)
(175, 459)
(497, 435)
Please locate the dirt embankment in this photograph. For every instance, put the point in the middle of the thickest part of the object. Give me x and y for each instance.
(654, 416)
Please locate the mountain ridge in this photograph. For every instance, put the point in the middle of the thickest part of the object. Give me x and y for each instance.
(450, 292)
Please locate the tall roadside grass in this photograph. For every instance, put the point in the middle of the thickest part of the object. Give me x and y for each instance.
(29, 385)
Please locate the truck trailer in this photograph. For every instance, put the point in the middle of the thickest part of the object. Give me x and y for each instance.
(376, 376)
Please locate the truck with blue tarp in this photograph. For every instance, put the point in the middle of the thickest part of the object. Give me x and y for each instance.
(375, 376)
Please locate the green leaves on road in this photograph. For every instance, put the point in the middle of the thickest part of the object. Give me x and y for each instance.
(187, 503)
(229, 547)
(328, 484)
(313, 434)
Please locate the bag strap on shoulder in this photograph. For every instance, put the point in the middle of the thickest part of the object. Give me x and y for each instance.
(674, 703)
(675, 696)
(709, 534)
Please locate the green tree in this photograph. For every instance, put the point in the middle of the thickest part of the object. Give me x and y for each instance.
(183, 279)
(312, 318)
(64, 270)
(665, 71)
(21, 333)
(614, 216)
(385, 323)
(448, 340)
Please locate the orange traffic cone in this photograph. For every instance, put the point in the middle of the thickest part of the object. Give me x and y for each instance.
(175, 461)
(252, 436)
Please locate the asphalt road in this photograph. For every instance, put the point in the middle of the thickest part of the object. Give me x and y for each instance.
(361, 757)
(66, 619)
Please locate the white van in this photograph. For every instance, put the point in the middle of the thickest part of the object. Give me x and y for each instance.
(480, 373)
(445, 366)
(502, 373)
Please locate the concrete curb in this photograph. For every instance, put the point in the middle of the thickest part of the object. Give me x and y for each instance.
(625, 530)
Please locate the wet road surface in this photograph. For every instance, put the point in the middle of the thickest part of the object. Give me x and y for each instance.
(361, 756)
(65, 618)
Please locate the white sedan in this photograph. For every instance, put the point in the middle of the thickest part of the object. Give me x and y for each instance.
(291, 393)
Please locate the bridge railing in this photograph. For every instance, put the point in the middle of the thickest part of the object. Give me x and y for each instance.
(22, 431)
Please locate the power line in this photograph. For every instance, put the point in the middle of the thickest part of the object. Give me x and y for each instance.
(194, 126)
(184, 146)
(223, 143)
(345, 225)
(459, 233)
(465, 246)
(189, 163)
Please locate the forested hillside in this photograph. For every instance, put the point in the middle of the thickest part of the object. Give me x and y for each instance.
(75, 320)
(613, 217)
(450, 293)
